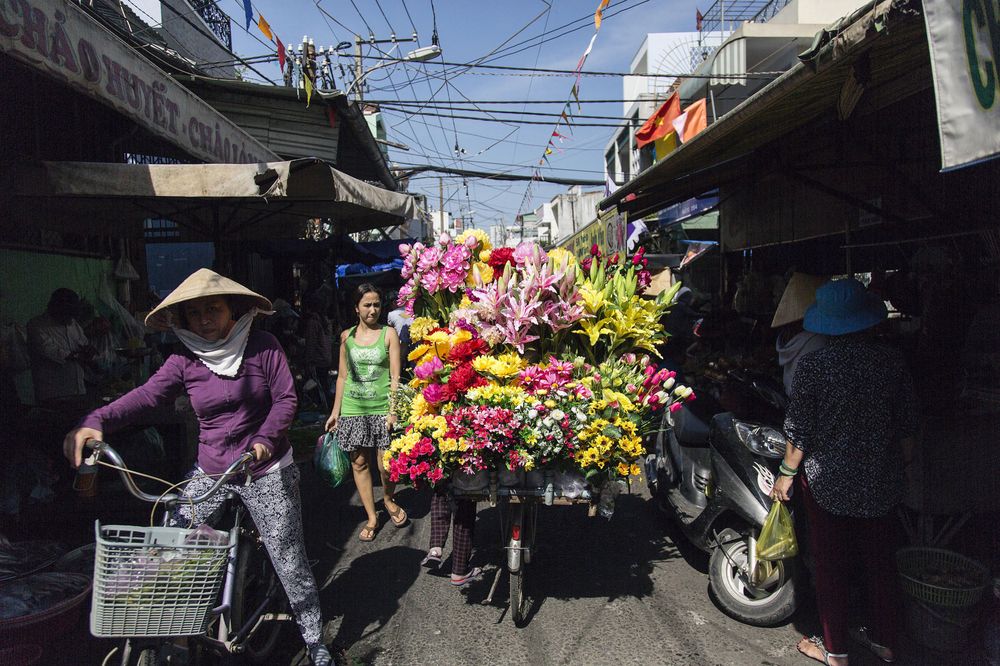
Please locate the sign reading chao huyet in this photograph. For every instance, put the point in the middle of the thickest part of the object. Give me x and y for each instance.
(60, 39)
(964, 40)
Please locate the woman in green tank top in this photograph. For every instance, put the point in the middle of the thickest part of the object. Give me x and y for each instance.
(369, 371)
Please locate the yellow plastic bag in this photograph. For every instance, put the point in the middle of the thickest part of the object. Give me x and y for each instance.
(777, 536)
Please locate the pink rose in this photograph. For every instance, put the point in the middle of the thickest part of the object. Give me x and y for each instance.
(434, 393)
(428, 369)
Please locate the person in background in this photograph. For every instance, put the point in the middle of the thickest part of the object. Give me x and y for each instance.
(242, 391)
(59, 349)
(368, 373)
(317, 348)
(851, 427)
(401, 321)
(793, 342)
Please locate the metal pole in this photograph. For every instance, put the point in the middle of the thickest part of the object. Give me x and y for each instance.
(441, 200)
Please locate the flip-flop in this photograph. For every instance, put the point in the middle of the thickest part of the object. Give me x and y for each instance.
(475, 574)
(367, 533)
(433, 559)
(394, 516)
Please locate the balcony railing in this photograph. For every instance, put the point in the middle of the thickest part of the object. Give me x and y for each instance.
(727, 14)
(217, 21)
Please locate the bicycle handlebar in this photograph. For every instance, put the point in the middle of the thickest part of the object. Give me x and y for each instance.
(103, 448)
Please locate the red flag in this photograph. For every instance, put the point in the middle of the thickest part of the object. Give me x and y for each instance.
(698, 16)
(281, 53)
(659, 124)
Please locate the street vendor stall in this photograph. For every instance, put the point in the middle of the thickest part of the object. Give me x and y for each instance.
(835, 169)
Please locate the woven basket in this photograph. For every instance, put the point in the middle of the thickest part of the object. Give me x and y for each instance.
(916, 562)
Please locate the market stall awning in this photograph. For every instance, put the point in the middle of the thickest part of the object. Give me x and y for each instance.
(215, 201)
(897, 65)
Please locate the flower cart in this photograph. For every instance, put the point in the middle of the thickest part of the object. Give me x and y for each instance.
(533, 381)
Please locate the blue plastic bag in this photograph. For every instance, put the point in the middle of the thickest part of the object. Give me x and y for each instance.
(330, 460)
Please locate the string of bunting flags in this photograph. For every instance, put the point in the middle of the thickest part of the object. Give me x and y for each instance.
(267, 31)
(564, 121)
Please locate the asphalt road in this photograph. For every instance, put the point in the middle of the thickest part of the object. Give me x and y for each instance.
(625, 591)
(617, 591)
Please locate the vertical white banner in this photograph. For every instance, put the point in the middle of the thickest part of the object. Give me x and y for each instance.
(964, 39)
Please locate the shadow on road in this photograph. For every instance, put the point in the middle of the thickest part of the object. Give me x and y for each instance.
(350, 595)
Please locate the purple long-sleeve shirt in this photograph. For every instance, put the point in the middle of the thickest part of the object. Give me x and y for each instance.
(257, 405)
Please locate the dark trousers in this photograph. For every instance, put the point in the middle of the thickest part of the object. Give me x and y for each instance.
(465, 523)
(842, 548)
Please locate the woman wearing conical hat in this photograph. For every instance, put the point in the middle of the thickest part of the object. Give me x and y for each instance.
(242, 392)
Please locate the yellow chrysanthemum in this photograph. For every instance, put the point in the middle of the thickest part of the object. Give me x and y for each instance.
(420, 407)
(420, 327)
(502, 366)
(484, 255)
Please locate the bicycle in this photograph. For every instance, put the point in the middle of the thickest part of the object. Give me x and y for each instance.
(153, 585)
(522, 494)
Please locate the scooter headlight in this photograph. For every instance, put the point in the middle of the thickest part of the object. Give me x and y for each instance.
(760, 439)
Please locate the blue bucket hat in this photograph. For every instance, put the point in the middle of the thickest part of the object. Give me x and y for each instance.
(842, 307)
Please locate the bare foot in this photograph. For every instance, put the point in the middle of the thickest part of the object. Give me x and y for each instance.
(813, 651)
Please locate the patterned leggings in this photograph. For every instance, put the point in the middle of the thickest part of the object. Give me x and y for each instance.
(465, 523)
(274, 503)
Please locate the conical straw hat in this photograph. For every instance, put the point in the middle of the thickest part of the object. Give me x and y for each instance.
(203, 282)
(797, 297)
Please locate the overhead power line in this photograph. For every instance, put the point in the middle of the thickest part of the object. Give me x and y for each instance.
(467, 173)
(512, 121)
(447, 107)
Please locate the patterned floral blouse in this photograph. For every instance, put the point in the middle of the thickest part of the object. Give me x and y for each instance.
(851, 404)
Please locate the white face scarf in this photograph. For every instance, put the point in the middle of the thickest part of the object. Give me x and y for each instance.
(223, 357)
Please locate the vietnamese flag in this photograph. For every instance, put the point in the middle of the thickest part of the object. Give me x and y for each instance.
(660, 123)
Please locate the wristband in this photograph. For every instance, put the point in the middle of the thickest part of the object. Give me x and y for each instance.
(785, 470)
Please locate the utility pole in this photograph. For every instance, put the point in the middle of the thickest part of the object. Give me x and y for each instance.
(441, 200)
(357, 66)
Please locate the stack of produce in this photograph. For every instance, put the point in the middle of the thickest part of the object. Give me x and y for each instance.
(527, 360)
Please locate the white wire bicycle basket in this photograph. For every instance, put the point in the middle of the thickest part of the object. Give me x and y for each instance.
(156, 581)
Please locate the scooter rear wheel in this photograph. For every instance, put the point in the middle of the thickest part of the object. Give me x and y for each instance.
(760, 606)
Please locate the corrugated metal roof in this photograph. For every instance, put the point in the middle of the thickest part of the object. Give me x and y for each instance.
(900, 66)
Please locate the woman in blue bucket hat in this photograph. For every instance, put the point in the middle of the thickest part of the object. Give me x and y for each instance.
(850, 426)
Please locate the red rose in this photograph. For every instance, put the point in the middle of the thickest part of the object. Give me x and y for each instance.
(468, 350)
(501, 256)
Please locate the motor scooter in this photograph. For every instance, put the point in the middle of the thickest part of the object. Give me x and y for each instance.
(714, 472)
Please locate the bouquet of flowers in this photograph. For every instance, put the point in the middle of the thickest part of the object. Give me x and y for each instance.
(527, 360)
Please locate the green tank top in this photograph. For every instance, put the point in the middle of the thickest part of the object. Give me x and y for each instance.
(366, 390)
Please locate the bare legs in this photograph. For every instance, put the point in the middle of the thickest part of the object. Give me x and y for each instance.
(363, 480)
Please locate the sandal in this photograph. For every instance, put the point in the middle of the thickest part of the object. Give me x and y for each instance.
(475, 574)
(860, 634)
(397, 519)
(367, 533)
(818, 642)
(433, 558)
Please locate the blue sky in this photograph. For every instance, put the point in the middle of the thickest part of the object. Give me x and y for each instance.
(470, 30)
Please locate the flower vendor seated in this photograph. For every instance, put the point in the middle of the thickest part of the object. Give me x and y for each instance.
(793, 342)
(851, 425)
(242, 391)
(369, 371)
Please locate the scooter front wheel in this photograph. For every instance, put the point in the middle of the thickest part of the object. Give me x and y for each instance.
(766, 603)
